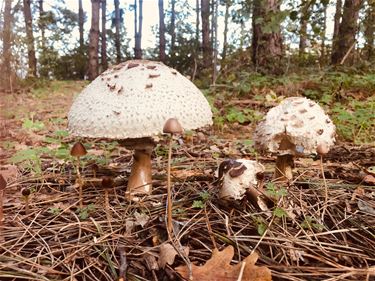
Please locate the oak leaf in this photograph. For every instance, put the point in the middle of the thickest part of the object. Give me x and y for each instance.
(218, 268)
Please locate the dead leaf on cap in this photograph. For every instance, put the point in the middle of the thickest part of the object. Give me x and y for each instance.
(218, 268)
(167, 254)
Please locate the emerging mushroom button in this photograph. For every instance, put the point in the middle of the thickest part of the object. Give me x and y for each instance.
(131, 102)
(296, 127)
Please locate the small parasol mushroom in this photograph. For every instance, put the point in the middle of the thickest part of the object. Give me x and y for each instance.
(296, 127)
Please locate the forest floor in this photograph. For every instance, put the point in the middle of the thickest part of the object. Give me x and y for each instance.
(308, 235)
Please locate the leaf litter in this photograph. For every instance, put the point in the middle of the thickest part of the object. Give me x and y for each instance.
(59, 241)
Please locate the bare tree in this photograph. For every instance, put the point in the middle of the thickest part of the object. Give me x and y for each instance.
(138, 29)
(206, 45)
(370, 29)
(117, 33)
(104, 36)
(6, 72)
(81, 22)
(305, 16)
(337, 20)
(42, 24)
(29, 38)
(94, 40)
(161, 31)
(267, 48)
(173, 28)
(347, 32)
(226, 19)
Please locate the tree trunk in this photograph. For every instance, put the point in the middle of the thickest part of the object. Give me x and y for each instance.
(226, 19)
(305, 16)
(42, 24)
(215, 14)
(206, 46)
(161, 32)
(324, 25)
(197, 31)
(81, 20)
(173, 27)
(369, 30)
(117, 33)
(336, 20)
(138, 36)
(6, 72)
(94, 40)
(347, 32)
(104, 36)
(267, 48)
(29, 38)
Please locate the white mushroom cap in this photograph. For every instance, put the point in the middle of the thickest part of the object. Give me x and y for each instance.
(296, 126)
(134, 99)
(234, 188)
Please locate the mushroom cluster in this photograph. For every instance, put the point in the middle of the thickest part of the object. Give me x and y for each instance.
(131, 102)
(296, 127)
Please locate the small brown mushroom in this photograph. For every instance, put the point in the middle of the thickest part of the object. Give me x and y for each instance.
(3, 185)
(78, 150)
(172, 127)
(26, 194)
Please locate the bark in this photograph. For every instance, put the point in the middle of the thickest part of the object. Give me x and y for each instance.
(215, 15)
(94, 40)
(104, 36)
(197, 12)
(337, 20)
(173, 27)
(29, 38)
(117, 32)
(323, 47)
(42, 24)
(206, 46)
(138, 35)
(267, 48)
(6, 72)
(80, 24)
(226, 19)
(369, 30)
(161, 31)
(305, 16)
(347, 32)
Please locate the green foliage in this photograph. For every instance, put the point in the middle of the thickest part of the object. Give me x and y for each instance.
(199, 204)
(32, 125)
(54, 211)
(279, 212)
(246, 115)
(30, 159)
(310, 223)
(273, 191)
(355, 122)
(84, 213)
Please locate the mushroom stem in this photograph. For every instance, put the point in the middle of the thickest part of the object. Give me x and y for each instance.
(140, 177)
(169, 191)
(1, 206)
(27, 208)
(80, 183)
(284, 166)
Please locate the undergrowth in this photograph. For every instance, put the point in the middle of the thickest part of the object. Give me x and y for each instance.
(347, 97)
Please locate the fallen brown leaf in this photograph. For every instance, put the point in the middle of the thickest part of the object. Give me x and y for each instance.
(218, 268)
(167, 254)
